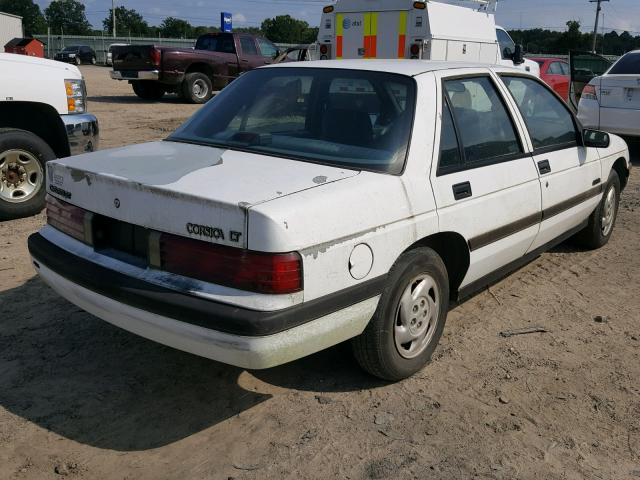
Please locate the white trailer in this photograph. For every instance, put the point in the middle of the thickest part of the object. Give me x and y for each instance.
(10, 28)
(423, 29)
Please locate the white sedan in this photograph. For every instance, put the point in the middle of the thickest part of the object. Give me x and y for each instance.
(312, 203)
(611, 102)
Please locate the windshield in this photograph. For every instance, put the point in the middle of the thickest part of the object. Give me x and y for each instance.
(346, 118)
(71, 49)
(627, 65)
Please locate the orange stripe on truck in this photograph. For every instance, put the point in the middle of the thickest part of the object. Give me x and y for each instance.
(402, 35)
(339, 32)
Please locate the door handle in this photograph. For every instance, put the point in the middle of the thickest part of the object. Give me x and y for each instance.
(462, 190)
(544, 167)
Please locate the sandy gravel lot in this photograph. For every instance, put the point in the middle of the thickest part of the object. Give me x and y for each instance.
(82, 399)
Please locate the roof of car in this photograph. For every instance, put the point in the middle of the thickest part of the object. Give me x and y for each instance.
(401, 66)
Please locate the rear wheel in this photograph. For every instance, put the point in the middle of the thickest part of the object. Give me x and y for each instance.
(197, 88)
(409, 320)
(22, 173)
(601, 222)
(148, 90)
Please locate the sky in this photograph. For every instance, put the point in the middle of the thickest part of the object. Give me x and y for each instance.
(553, 14)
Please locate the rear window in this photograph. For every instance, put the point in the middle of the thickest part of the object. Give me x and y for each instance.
(216, 43)
(346, 118)
(627, 65)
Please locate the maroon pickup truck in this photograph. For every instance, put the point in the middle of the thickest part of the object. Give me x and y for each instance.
(194, 74)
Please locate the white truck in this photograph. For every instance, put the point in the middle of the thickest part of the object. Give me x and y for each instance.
(315, 202)
(43, 116)
(422, 29)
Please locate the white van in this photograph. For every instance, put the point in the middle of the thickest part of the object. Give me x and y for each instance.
(422, 29)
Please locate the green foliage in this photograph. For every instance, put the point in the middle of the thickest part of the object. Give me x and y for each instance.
(67, 16)
(538, 41)
(172, 27)
(286, 29)
(128, 22)
(32, 19)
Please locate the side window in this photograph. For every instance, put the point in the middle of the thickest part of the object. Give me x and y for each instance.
(565, 69)
(505, 42)
(449, 148)
(267, 49)
(555, 68)
(486, 130)
(549, 122)
(248, 46)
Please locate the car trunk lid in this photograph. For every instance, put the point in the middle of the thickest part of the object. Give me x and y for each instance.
(620, 91)
(190, 190)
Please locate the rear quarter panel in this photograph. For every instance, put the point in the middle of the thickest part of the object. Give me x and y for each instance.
(386, 212)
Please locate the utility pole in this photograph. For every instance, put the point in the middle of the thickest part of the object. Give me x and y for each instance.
(595, 29)
(113, 16)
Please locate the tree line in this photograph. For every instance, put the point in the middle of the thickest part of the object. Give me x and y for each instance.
(539, 41)
(68, 17)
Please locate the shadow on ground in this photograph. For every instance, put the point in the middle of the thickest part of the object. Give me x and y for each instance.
(132, 99)
(96, 384)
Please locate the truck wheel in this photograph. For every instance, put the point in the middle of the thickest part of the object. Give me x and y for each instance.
(196, 88)
(601, 222)
(409, 320)
(148, 90)
(22, 173)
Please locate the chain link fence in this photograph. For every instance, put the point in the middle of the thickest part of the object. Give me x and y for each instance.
(100, 44)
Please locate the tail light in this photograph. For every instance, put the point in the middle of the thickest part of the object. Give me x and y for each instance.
(271, 273)
(416, 50)
(589, 93)
(155, 56)
(324, 51)
(69, 219)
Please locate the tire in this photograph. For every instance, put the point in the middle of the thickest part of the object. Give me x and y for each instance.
(601, 222)
(147, 90)
(23, 156)
(379, 349)
(78, 60)
(93, 60)
(197, 88)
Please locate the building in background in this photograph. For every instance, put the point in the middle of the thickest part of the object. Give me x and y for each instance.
(10, 28)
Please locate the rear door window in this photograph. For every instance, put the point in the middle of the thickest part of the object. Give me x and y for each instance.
(549, 122)
(627, 65)
(216, 43)
(450, 158)
(556, 68)
(248, 46)
(486, 130)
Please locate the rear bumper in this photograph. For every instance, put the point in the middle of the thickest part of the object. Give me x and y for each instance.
(222, 332)
(139, 75)
(83, 132)
(621, 121)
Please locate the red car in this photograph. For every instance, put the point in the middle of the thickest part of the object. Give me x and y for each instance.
(555, 72)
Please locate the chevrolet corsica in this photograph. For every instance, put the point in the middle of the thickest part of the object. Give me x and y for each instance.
(309, 204)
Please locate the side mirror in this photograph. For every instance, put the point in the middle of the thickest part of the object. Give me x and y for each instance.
(596, 139)
(518, 55)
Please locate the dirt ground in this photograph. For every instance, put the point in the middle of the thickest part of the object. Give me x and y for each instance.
(83, 399)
